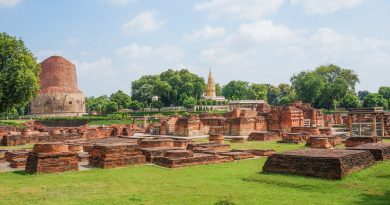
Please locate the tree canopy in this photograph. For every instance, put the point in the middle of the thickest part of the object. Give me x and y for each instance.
(19, 74)
(172, 87)
(325, 86)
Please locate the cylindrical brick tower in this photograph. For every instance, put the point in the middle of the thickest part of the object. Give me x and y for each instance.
(59, 94)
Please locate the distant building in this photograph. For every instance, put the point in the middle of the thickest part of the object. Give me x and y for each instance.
(245, 104)
(59, 94)
(211, 92)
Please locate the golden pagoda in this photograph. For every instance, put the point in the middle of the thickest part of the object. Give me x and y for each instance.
(210, 89)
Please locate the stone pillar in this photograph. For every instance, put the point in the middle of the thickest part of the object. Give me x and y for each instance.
(373, 132)
(350, 124)
(382, 125)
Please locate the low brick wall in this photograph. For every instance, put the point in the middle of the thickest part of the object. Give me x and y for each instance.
(330, 164)
(381, 151)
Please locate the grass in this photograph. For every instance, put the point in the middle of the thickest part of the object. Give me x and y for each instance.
(18, 123)
(239, 182)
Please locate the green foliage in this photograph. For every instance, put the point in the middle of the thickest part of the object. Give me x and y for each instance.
(189, 102)
(258, 92)
(362, 94)
(19, 73)
(385, 92)
(350, 100)
(218, 89)
(325, 86)
(112, 107)
(122, 99)
(135, 105)
(236, 90)
(375, 100)
(172, 87)
(157, 104)
(98, 104)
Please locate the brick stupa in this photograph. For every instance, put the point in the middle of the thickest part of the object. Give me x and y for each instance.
(59, 94)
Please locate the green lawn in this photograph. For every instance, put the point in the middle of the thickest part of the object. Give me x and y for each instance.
(239, 182)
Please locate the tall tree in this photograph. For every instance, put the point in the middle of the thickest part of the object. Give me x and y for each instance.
(385, 92)
(350, 100)
(258, 92)
(325, 86)
(362, 94)
(19, 73)
(236, 90)
(122, 99)
(375, 100)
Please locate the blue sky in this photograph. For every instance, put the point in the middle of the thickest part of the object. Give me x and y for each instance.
(113, 42)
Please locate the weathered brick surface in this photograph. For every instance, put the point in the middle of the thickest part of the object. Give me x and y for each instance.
(330, 164)
(263, 136)
(196, 159)
(151, 153)
(219, 138)
(356, 141)
(381, 151)
(51, 158)
(208, 146)
(257, 152)
(156, 142)
(116, 155)
(333, 140)
(238, 155)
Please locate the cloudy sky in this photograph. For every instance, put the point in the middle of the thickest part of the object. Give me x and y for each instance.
(113, 42)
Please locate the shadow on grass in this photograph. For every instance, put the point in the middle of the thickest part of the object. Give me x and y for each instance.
(369, 199)
(23, 173)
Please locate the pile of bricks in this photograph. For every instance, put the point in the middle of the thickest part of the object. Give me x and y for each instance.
(151, 153)
(218, 138)
(2, 156)
(333, 140)
(356, 141)
(257, 152)
(115, 155)
(155, 142)
(320, 143)
(51, 158)
(17, 158)
(330, 164)
(263, 136)
(181, 158)
(237, 139)
(381, 151)
(200, 147)
(294, 138)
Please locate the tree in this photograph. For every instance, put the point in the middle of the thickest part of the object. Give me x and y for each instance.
(111, 107)
(19, 72)
(362, 94)
(258, 92)
(236, 90)
(325, 86)
(350, 100)
(385, 92)
(157, 104)
(98, 104)
(189, 102)
(218, 89)
(136, 105)
(308, 86)
(375, 100)
(170, 86)
(121, 99)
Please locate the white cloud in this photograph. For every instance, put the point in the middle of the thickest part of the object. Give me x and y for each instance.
(248, 9)
(326, 6)
(165, 53)
(263, 31)
(142, 23)
(206, 32)
(120, 2)
(9, 3)
(98, 67)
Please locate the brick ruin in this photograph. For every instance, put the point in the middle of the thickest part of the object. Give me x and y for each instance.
(51, 158)
(329, 164)
(240, 122)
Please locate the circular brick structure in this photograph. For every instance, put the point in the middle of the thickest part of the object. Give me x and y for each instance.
(312, 130)
(50, 148)
(26, 132)
(217, 138)
(326, 131)
(320, 143)
(59, 94)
